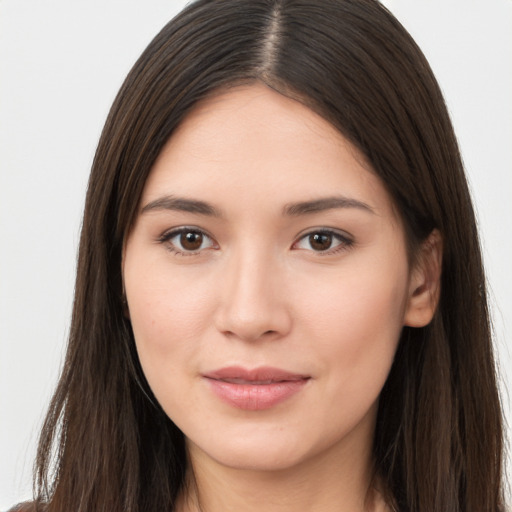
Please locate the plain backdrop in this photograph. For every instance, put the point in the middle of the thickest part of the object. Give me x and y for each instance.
(61, 64)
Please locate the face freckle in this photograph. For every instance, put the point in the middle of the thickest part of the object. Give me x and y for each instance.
(296, 278)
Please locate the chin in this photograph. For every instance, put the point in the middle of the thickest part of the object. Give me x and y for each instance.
(266, 453)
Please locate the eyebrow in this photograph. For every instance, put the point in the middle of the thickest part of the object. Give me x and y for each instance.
(326, 203)
(182, 204)
(292, 209)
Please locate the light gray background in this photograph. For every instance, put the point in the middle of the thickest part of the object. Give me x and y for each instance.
(61, 63)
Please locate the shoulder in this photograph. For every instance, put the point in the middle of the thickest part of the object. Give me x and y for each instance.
(27, 506)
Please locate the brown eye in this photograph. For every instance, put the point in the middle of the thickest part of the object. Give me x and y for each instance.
(324, 241)
(191, 240)
(320, 241)
(187, 241)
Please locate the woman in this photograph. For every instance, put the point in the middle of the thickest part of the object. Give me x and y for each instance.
(280, 300)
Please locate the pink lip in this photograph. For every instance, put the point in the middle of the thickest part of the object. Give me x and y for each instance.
(257, 389)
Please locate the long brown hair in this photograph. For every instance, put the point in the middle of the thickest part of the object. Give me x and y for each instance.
(106, 444)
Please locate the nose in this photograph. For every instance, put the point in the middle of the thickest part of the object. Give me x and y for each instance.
(253, 303)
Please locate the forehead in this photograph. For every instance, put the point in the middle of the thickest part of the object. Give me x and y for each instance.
(254, 117)
(251, 142)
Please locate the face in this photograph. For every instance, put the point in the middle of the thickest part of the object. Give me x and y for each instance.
(267, 283)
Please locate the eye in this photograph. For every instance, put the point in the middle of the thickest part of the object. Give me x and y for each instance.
(187, 241)
(323, 241)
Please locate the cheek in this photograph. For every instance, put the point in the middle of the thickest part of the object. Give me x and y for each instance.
(358, 300)
(165, 312)
(356, 323)
(166, 327)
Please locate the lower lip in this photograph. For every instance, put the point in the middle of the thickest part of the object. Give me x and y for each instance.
(256, 397)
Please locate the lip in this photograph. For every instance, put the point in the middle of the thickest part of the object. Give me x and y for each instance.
(255, 389)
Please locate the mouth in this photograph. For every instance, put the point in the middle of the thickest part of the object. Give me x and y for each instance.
(257, 389)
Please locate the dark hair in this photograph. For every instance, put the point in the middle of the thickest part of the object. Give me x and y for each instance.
(106, 444)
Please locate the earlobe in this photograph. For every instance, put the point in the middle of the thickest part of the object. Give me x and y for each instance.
(425, 282)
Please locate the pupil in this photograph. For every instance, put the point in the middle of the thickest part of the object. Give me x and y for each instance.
(191, 240)
(320, 241)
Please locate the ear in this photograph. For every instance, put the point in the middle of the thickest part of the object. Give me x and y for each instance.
(425, 282)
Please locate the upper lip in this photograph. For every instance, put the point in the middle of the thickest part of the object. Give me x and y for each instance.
(263, 374)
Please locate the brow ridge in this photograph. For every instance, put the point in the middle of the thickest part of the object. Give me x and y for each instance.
(181, 204)
(325, 203)
(291, 209)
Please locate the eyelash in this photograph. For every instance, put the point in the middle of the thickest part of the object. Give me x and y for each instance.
(344, 241)
(169, 235)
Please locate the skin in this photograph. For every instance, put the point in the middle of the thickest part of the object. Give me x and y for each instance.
(255, 289)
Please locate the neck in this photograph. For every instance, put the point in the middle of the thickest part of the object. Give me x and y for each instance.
(337, 480)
